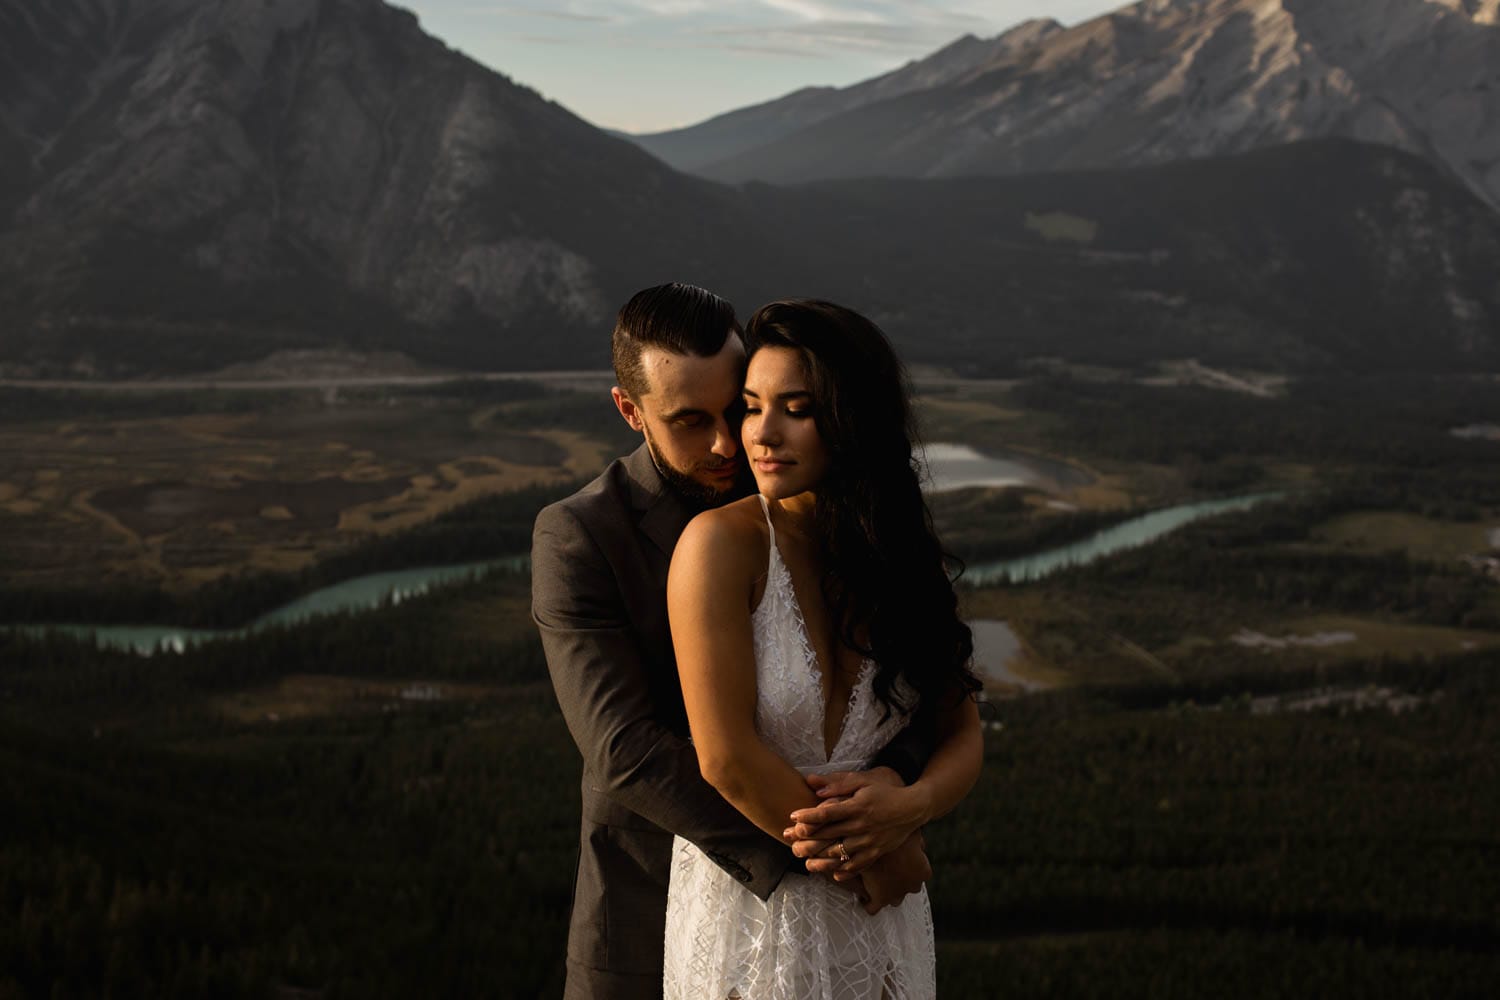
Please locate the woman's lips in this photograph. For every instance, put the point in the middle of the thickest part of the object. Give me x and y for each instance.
(772, 464)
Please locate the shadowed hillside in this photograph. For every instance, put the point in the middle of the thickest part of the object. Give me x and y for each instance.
(206, 182)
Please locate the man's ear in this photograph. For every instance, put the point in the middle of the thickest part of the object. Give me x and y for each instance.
(628, 409)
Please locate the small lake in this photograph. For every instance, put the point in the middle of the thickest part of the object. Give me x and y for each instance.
(361, 593)
(1477, 432)
(957, 466)
(996, 648)
(1129, 534)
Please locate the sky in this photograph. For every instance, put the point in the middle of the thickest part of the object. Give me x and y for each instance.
(651, 65)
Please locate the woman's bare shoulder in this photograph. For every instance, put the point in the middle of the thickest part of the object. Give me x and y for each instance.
(733, 535)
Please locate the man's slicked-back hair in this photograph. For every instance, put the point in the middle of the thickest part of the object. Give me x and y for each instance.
(678, 318)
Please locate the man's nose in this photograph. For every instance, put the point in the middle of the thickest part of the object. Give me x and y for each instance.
(726, 441)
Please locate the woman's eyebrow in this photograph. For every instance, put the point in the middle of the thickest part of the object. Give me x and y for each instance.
(793, 394)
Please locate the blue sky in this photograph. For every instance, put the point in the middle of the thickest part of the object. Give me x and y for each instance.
(647, 65)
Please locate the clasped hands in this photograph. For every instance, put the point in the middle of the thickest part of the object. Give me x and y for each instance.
(865, 835)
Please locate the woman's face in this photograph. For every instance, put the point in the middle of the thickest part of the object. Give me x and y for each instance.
(780, 435)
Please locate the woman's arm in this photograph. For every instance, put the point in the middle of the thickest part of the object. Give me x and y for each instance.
(717, 561)
(601, 672)
(872, 817)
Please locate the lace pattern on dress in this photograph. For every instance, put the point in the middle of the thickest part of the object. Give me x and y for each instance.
(811, 940)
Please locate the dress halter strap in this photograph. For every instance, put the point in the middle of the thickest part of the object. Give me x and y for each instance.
(765, 506)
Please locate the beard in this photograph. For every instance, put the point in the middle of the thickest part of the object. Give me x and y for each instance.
(698, 495)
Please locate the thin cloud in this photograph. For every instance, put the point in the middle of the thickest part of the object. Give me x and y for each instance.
(898, 14)
(889, 29)
(811, 10)
(893, 39)
(679, 8)
(903, 15)
(563, 15)
(769, 49)
(798, 27)
(510, 9)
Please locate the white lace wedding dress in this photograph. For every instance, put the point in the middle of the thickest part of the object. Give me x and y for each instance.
(811, 940)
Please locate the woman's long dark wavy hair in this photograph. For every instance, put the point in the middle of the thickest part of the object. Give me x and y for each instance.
(885, 576)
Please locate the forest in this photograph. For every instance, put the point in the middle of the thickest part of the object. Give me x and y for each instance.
(1156, 840)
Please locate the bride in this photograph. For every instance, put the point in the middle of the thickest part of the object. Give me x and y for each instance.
(812, 623)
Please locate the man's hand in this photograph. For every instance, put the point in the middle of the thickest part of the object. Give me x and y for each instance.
(864, 815)
(896, 875)
(855, 885)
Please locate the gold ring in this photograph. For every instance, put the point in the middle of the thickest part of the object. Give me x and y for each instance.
(843, 853)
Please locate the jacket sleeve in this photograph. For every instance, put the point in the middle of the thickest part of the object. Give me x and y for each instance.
(909, 750)
(602, 686)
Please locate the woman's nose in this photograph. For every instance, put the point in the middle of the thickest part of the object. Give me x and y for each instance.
(764, 431)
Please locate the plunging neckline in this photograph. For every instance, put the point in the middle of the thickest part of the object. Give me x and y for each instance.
(804, 639)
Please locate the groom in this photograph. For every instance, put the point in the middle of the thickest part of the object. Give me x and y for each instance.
(599, 564)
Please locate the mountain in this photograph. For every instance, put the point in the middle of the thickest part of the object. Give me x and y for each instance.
(191, 184)
(1324, 255)
(1163, 80)
(210, 180)
(727, 135)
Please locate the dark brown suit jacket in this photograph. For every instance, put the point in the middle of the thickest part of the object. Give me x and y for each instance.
(599, 564)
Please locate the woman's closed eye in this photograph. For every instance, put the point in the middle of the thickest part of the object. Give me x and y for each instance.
(797, 410)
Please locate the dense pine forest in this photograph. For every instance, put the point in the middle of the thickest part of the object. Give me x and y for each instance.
(1158, 840)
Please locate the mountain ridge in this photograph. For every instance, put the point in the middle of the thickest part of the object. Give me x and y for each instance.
(208, 184)
(1168, 79)
(727, 135)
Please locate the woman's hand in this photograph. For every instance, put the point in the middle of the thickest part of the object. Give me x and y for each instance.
(813, 849)
(864, 815)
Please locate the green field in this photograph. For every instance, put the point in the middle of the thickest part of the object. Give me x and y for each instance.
(182, 490)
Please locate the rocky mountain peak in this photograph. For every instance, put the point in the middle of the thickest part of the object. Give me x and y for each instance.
(1482, 11)
(1165, 79)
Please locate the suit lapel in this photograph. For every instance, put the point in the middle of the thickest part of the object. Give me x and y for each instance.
(662, 514)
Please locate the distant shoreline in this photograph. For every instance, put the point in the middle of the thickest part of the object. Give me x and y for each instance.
(599, 376)
(205, 384)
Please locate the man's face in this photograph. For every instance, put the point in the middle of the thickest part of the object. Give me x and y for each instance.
(690, 416)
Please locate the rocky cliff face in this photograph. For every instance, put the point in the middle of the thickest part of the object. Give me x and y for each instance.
(1482, 11)
(1166, 79)
(308, 164)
